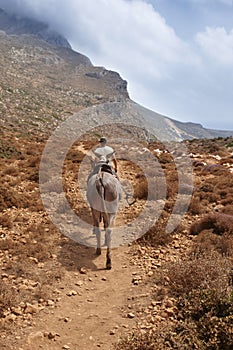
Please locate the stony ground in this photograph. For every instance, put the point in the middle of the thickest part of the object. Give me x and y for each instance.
(56, 293)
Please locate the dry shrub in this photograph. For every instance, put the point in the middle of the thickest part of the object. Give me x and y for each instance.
(228, 209)
(9, 198)
(7, 150)
(5, 220)
(226, 160)
(163, 337)
(224, 183)
(165, 158)
(33, 162)
(202, 272)
(75, 156)
(207, 242)
(220, 223)
(156, 185)
(8, 297)
(228, 201)
(203, 287)
(141, 187)
(195, 206)
(216, 169)
(11, 170)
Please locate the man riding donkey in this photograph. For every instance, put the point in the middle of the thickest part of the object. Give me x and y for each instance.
(105, 153)
(103, 193)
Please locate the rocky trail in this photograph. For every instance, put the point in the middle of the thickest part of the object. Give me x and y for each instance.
(92, 307)
(90, 310)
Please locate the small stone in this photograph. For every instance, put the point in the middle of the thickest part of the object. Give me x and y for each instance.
(83, 270)
(130, 315)
(16, 310)
(112, 332)
(51, 335)
(66, 347)
(71, 293)
(150, 273)
(79, 283)
(104, 278)
(31, 309)
(169, 303)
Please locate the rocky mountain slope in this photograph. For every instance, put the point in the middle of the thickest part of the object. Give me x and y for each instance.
(43, 81)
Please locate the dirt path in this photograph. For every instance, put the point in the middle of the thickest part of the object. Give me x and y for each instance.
(91, 311)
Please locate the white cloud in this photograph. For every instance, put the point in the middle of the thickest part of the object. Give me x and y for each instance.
(217, 44)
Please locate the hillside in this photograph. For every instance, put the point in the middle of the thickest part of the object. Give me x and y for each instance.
(43, 84)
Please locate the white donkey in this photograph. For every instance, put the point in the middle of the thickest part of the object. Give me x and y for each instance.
(103, 195)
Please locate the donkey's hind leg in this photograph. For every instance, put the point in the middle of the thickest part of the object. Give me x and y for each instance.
(108, 243)
(96, 229)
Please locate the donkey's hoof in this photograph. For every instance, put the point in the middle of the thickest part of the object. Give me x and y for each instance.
(98, 251)
(108, 266)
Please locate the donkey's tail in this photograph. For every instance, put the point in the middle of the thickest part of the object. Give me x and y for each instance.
(102, 192)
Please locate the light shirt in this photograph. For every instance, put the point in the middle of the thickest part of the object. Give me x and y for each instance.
(106, 151)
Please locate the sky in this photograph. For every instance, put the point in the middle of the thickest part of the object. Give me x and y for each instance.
(176, 55)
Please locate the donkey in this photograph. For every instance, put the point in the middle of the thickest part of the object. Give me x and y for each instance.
(103, 195)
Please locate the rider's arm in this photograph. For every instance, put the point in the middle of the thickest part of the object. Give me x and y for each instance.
(115, 163)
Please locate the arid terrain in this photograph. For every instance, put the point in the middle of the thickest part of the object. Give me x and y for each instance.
(165, 291)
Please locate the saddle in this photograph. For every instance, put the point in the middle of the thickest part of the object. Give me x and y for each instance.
(106, 168)
(101, 167)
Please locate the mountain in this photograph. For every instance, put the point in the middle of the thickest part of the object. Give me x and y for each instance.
(43, 82)
(12, 24)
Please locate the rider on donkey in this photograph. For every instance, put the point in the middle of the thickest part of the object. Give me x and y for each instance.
(106, 152)
(104, 159)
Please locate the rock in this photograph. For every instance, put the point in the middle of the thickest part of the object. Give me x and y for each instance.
(71, 293)
(79, 283)
(169, 303)
(35, 337)
(10, 317)
(52, 335)
(130, 315)
(31, 309)
(83, 270)
(16, 310)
